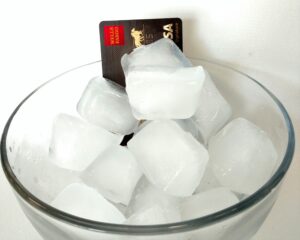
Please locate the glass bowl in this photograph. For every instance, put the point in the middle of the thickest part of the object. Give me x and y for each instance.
(32, 186)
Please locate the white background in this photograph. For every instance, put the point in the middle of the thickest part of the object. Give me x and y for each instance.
(40, 39)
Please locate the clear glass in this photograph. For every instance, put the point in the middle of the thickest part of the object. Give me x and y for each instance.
(34, 116)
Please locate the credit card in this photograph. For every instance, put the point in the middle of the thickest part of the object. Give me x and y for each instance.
(122, 36)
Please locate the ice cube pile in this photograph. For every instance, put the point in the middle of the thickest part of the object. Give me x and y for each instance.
(187, 158)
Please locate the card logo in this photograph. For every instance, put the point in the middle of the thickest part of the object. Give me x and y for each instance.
(114, 35)
(138, 37)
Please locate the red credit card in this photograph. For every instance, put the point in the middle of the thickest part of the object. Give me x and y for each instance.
(122, 36)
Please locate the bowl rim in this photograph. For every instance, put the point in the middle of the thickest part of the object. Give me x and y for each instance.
(169, 228)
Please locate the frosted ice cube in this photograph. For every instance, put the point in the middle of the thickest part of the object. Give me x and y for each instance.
(207, 202)
(213, 111)
(164, 93)
(83, 201)
(150, 205)
(243, 156)
(170, 158)
(75, 143)
(105, 103)
(209, 180)
(162, 53)
(114, 173)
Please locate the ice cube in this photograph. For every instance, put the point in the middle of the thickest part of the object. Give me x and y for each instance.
(187, 125)
(141, 125)
(162, 53)
(148, 216)
(207, 202)
(243, 156)
(170, 158)
(75, 143)
(37, 173)
(150, 205)
(164, 93)
(209, 180)
(190, 126)
(105, 103)
(213, 111)
(114, 173)
(122, 208)
(82, 201)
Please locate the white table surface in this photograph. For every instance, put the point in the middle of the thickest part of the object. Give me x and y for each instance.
(41, 39)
